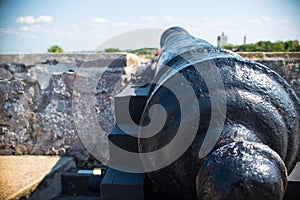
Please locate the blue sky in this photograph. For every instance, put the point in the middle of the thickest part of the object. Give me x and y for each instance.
(32, 26)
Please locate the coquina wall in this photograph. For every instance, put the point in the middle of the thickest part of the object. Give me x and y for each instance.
(36, 101)
(37, 92)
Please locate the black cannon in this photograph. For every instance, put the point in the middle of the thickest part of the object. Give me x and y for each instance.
(238, 123)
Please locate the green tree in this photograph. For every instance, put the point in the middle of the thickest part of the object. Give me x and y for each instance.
(291, 46)
(55, 49)
(250, 47)
(228, 46)
(279, 46)
(266, 46)
(112, 50)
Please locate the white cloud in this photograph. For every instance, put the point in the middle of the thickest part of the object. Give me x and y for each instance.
(45, 19)
(38, 31)
(26, 20)
(32, 20)
(100, 20)
(24, 28)
(31, 28)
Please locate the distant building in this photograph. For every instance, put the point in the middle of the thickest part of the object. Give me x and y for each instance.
(244, 39)
(221, 40)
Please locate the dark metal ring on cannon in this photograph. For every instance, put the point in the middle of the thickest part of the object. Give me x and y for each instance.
(259, 143)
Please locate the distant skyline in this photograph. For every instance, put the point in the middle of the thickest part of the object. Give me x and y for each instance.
(32, 26)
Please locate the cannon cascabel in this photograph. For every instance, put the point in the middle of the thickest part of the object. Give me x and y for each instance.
(258, 141)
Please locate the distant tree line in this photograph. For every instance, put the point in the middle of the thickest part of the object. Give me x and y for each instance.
(142, 51)
(110, 50)
(265, 46)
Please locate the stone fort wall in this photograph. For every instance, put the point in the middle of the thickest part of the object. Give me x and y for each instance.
(36, 115)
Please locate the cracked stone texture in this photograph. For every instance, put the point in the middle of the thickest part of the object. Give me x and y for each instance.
(36, 115)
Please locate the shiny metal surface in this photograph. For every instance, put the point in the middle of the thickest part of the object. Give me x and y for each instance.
(259, 143)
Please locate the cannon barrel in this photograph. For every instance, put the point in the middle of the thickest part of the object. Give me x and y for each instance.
(258, 144)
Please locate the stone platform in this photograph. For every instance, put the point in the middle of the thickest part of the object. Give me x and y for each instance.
(34, 176)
